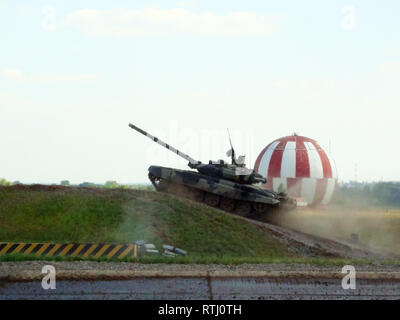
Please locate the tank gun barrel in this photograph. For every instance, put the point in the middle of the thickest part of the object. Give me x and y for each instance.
(165, 145)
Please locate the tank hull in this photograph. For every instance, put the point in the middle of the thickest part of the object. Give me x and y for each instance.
(216, 192)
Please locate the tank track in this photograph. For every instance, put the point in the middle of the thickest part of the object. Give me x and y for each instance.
(242, 208)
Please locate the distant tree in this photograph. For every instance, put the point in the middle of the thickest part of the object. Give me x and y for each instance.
(4, 182)
(111, 184)
(388, 192)
(368, 195)
(87, 184)
(16, 182)
(64, 183)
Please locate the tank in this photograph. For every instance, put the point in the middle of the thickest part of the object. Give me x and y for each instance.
(231, 187)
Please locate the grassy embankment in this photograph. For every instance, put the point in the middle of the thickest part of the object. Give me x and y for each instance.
(84, 215)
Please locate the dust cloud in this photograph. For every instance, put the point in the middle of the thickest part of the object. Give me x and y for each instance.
(139, 220)
(379, 229)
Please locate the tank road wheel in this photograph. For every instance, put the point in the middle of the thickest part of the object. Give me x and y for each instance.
(260, 207)
(227, 204)
(211, 199)
(243, 208)
(198, 195)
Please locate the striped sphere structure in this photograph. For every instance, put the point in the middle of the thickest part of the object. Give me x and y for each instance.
(301, 167)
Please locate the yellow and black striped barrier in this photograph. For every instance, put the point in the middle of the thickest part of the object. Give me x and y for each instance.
(96, 250)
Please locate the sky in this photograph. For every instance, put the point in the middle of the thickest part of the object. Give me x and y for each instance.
(73, 74)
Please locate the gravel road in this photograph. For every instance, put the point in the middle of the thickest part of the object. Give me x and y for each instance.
(203, 288)
(87, 270)
(123, 280)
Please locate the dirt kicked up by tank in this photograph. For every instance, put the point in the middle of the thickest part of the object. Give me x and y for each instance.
(230, 187)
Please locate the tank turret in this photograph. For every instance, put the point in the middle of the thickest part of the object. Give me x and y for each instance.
(236, 171)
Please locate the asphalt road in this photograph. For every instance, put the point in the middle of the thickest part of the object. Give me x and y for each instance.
(202, 288)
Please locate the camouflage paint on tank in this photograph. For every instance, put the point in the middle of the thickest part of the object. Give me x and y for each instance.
(221, 187)
(218, 179)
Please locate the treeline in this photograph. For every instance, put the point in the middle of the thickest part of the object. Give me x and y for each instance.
(111, 184)
(378, 194)
(5, 183)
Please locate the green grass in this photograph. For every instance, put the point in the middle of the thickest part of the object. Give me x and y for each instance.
(124, 216)
(59, 216)
(84, 215)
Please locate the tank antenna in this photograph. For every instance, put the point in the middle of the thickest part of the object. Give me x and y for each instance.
(232, 151)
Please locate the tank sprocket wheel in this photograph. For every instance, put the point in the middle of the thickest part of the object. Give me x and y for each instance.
(243, 208)
(260, 207)
(227, 204)
(211, 199)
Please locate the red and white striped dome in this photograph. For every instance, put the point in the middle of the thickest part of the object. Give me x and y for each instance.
(300, 166)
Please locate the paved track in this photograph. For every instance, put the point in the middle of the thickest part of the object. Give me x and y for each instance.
(203, 288)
